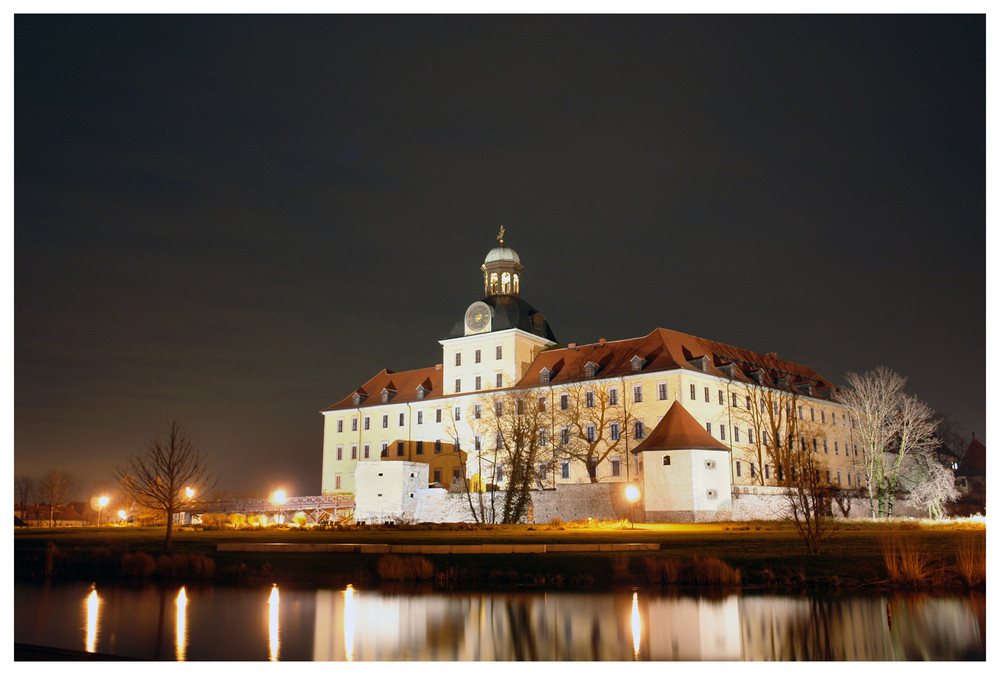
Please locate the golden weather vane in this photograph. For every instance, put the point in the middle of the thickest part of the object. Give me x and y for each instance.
(500, 236)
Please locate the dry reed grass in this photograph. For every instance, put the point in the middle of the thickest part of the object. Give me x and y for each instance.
(906, 562)
(970, 561)
(405, 568)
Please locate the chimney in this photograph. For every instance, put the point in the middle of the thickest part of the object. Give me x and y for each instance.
(437, 366)
(572, 345)
(602, 342)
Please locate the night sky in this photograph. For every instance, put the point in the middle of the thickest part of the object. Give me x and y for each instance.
(235, 221)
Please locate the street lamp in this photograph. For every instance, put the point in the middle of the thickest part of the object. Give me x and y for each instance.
(102, 502)
(632, 495)
(122, 515)
(279, 497)
(189, 491)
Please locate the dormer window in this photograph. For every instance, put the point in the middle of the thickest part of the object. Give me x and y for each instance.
(421, 391)
(358, 397)
(545, 375)
(387, 394)
(590, 370)
(638, 363)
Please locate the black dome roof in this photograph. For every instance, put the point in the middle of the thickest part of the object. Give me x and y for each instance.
(510, 311)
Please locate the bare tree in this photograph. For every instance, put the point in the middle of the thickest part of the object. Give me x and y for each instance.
(57, 489)
(24, 489)
(596, 424)
(156, 478)
(929, 483)
(892, 426)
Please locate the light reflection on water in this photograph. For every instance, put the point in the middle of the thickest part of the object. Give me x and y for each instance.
(365, 625)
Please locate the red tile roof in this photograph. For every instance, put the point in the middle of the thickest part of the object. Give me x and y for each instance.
(665, 349)
(678, 430)
(402, 388)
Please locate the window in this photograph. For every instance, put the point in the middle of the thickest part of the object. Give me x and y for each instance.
(710, 464)
(368, 451)
(479, 382)
(637, 393)
(541, 404)
(340, 452)
(499, 380)
(708, 399)
(437, 475)
(458, 358)
(385, 451)
(385, 421)
(822, 418)
(738, 469)
(848, 480)
(736, 401)
(458, 413)
(591, 433)
(836, 448)
(400, 449)
(477, 411)
(543, 471)
(420, 417)
(456, 474)
(767, 471)
(666, 460)
(590, 370)
(753, 470)
(692, 392)
(838, 477)
(614, 430)
(722, 432)
(499, 474)
(749, 435)
(437, 446)
(812, 414)
(478, 442)
(544, 375)
(437, 415)
(354, 452)
(637, 363)
(458, 386)
(826, 450)
(588, 399)
(708, 427)
(640, 429)
(800, 413)
(499, 352)
(736, 434)
(368, 422)
(661, 391)
(815, 446)
(564, 435)
(781, 472)
(421, 392)
(479, 355)
(722, 400)
(420, 447)
(354, 424)
(564, 468)
(616, 466)
(613, 396)
(563, 401)
(340, 426)
(402, 419)
(543, 437)
(336, 482)
(498, 408)
(763, 437)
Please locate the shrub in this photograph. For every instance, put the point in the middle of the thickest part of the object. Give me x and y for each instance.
(905, 561)
(970, 560)
(400, 568)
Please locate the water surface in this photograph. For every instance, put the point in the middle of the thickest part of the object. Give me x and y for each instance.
(240, 624)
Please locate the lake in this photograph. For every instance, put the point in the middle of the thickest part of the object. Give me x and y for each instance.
(205, 623)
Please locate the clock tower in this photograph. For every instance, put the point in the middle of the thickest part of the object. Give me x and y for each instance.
(499, 335)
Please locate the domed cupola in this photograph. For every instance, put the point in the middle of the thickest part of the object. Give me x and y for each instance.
(502, 270)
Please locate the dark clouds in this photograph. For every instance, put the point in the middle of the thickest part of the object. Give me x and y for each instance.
(237, 220)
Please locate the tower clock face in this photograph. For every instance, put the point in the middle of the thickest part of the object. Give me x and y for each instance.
(477, 317)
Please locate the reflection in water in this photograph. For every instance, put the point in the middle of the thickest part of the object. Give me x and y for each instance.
(181, 624)
(93, 605)
(272, 624)
(349, 623)
(636, 626)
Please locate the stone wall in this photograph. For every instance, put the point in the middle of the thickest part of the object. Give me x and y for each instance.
(600, 501)
(769, 503)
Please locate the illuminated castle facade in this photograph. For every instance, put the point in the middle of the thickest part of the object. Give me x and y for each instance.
(675, 411)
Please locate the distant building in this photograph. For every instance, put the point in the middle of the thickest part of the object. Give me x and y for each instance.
(502, 346)
(970, 478)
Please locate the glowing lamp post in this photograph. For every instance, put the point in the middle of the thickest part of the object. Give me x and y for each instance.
(189, 492)
(632, 495)
(101, 502)
(122, 515)
(279, 497)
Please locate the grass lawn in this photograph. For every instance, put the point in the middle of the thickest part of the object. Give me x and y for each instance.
(764, 552)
